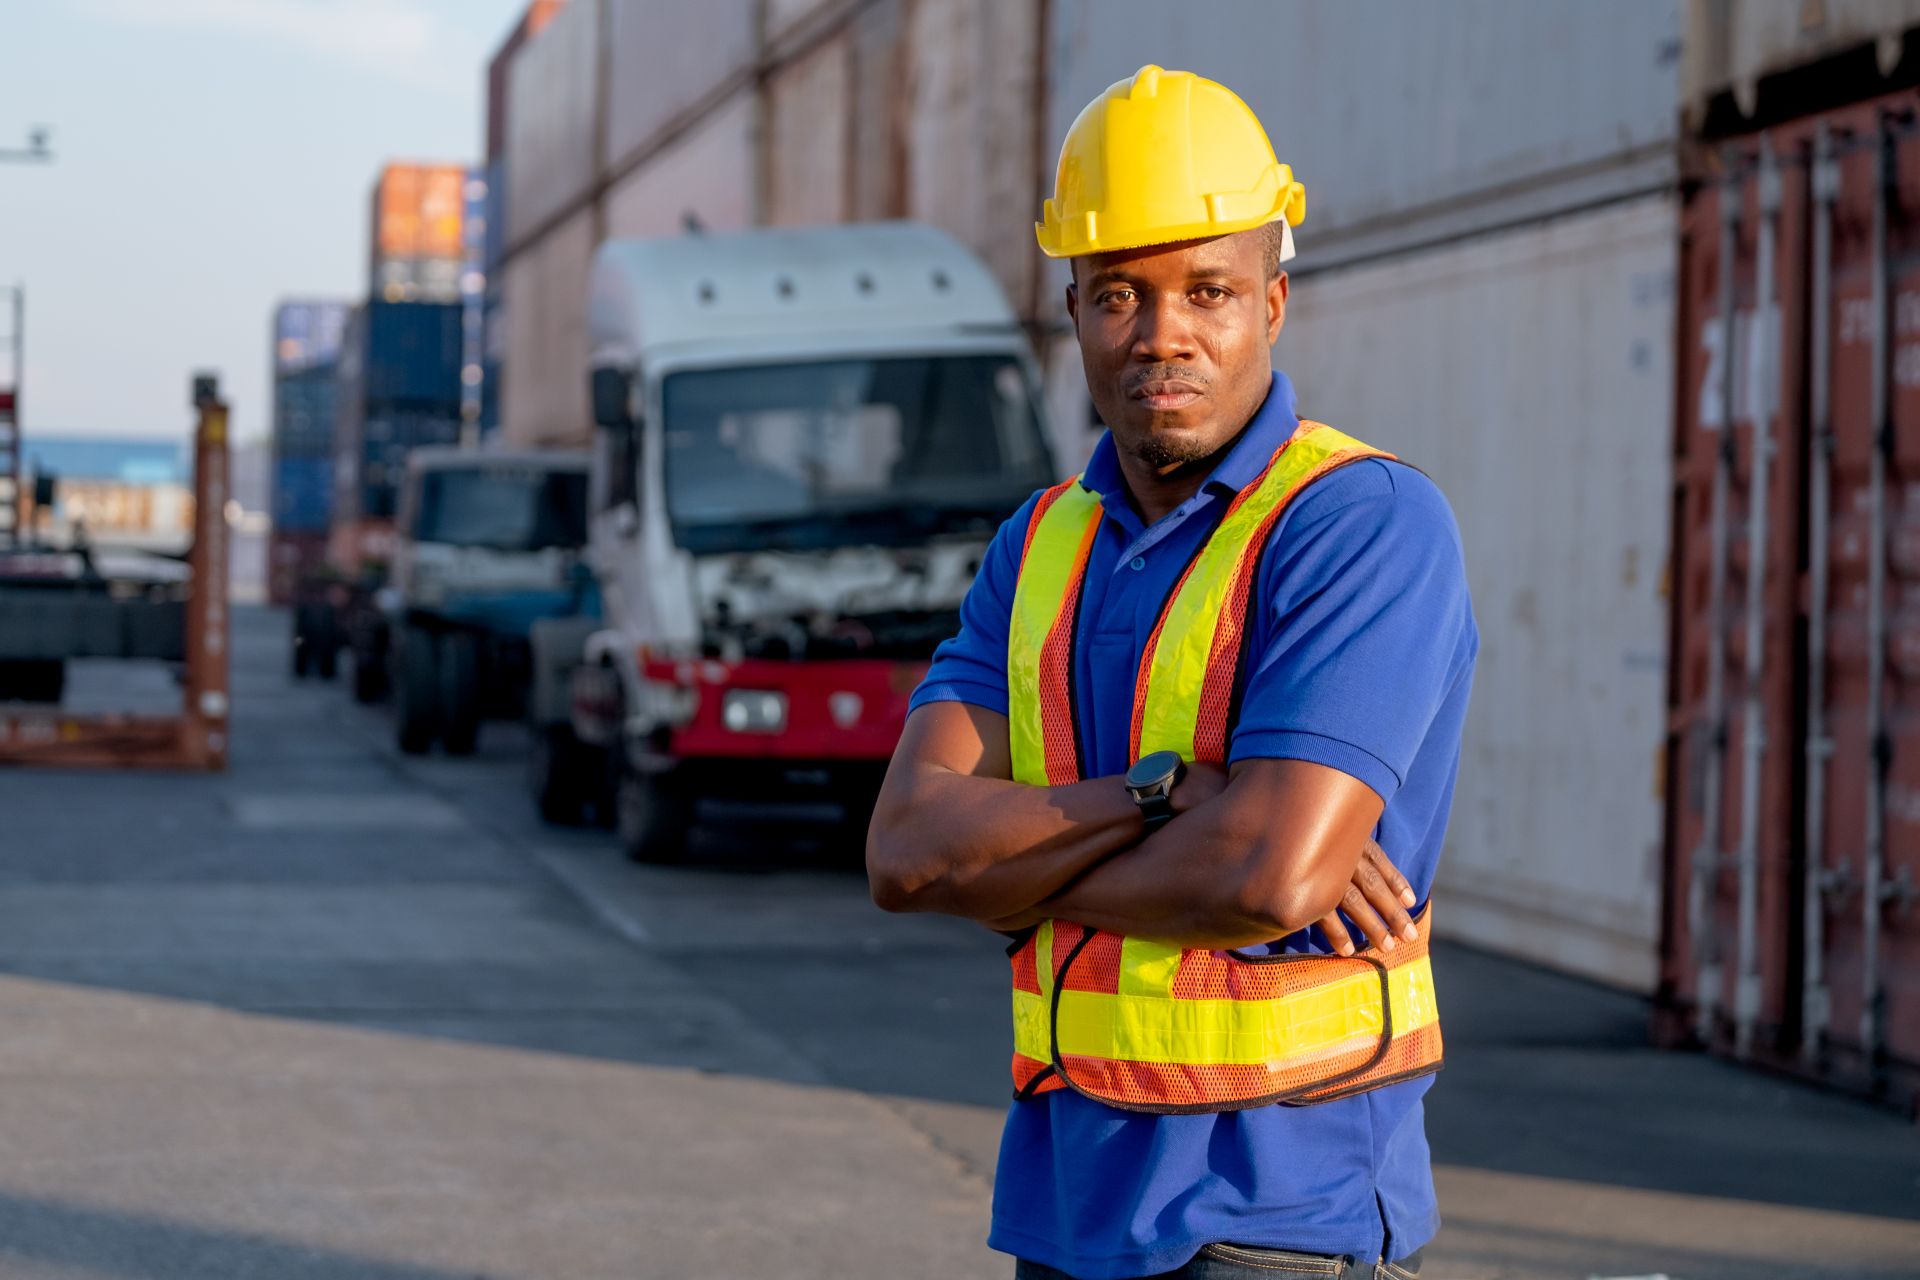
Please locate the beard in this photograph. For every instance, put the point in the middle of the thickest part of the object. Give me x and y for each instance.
(1171, 449)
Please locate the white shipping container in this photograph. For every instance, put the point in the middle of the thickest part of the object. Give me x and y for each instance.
(1399, 117)
(807, 126)
(553, 87)
(971, 128)
(707, 172)
(1531, 375)
(544, 393)
(1731, 46)
(666, 58)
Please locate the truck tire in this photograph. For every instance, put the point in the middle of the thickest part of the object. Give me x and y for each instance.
(297, 646)
(459, 692)
(416, 703)
(33, 680)
(651, 815)
(562, 774)
(309, 624)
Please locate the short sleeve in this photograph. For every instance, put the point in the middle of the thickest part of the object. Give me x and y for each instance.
(1364, 626)
(972, 666)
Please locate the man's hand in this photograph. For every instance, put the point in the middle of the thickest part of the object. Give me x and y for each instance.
(1377, 900)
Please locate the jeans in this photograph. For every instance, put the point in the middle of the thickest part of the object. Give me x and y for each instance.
(1244, 1262)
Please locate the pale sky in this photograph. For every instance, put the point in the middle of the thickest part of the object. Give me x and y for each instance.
(213, 156)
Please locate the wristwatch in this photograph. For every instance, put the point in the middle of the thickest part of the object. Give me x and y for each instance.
(1151, 781)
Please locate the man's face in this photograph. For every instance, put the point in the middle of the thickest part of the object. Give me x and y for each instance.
(1176, 340)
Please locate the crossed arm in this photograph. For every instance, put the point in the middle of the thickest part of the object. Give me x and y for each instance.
(1251, 855)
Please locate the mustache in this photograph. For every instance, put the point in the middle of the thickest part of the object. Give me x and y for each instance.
(1166, 373)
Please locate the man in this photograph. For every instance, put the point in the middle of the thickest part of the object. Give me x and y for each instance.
(1207, 696)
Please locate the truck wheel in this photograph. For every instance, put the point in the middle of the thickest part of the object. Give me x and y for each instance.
(33, 679)
(298, 645)
(416, 711)
(459, 692)
(651, 816)
(561, 774)
(306, 640)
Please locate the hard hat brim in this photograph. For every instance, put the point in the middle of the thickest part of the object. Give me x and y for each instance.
(1052, 246)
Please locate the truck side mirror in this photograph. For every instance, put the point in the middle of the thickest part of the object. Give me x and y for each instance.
(611, 391)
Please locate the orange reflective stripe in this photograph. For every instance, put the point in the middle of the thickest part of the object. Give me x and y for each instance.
(1058, 731)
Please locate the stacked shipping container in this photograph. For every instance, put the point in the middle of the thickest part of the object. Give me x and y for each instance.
(755, 112)
(399, 387)
(418, 246)
(306, 347)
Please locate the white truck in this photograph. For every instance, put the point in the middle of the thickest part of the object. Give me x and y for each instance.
(488, 543)
(805, 440)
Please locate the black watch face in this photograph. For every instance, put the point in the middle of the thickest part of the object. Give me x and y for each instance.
(1153, 769)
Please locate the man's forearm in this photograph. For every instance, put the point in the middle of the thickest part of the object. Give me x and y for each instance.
(989, 849)
(1270, 856)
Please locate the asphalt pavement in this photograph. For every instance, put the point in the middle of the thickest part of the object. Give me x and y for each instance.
(344, 1013)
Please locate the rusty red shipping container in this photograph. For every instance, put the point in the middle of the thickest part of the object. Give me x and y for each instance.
(1792, 928)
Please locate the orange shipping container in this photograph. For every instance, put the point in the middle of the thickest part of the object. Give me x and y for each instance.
(418, 211)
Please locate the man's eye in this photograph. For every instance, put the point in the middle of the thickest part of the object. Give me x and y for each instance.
(1211, 292)
(1117, 295)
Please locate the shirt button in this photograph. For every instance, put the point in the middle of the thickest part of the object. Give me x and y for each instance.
(1139, 563)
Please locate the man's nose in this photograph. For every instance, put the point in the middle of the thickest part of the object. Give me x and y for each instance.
(1161, 331)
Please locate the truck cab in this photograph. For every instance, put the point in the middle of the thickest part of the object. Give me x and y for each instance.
(487, 543)
(805, 440)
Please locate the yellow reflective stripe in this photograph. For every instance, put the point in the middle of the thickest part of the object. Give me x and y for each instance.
(1033, 1010)
(1185, 646)
(1038, 598)
(1148, 968)
(1284, 1033)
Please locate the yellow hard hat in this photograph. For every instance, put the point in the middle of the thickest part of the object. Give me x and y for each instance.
(1165, 156)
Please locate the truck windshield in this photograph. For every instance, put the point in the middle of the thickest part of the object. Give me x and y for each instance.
(844, 452)
(506, 508)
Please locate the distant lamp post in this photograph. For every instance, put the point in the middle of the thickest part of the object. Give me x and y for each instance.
(36, 148)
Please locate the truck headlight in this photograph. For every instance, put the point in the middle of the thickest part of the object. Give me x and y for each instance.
(754, 711)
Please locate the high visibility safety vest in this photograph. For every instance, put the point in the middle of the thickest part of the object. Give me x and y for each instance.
(1142, 1025)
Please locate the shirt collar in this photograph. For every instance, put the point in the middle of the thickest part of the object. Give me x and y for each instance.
(1271, 426)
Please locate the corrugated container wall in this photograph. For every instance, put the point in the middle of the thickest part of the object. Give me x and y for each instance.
(841, 110)
(532, 21)
(1793, 913)
(1530, 374)
(1412, 124)
(553, 88)
(1769, 57)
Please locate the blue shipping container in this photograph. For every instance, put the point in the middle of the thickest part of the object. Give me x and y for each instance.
(306, 334)
(303, 411)
(412, 353)
(302, 494)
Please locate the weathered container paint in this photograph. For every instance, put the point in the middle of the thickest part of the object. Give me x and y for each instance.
(1793, 908)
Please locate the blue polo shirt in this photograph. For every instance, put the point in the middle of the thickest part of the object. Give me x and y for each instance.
(1361, 657)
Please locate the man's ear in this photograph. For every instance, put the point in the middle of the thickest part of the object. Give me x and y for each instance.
(1276, 306)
